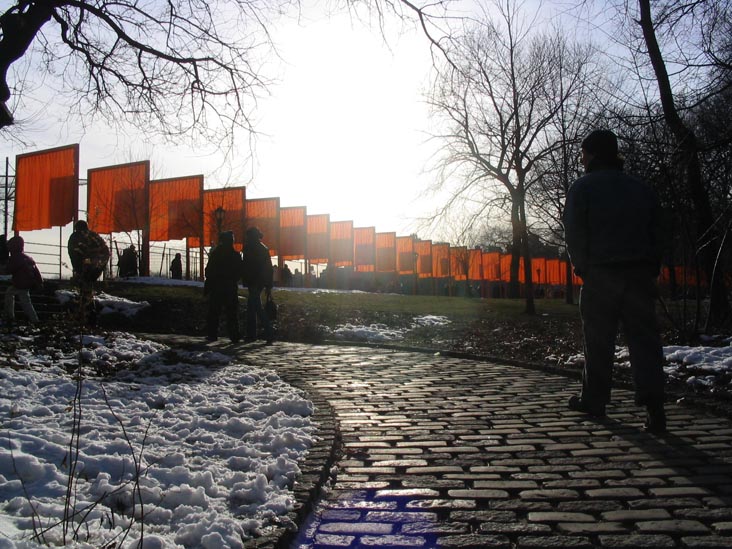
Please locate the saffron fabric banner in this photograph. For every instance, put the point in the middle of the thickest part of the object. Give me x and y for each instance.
(318, 238)
(440, 260)
(423, 249)
(46, 188)
(491, 266)
(341, 244)
(405, 255)
(117, 199)
(293, 233)
(538, 270)
(459, 262)
(223, 210)
(364, 249)
(554, 272)
(176, 208)
(475, 265)
(264, 213)
(386, 252)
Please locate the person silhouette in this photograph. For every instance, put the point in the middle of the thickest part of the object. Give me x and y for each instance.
(613, 235)
(258, 275)
(223, 271)
(176, 268)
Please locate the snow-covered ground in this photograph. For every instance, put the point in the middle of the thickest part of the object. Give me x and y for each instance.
(376, 333)
(180, 449)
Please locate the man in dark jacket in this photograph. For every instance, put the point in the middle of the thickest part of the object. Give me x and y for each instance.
(223, 271)
(258, 275)
(611, 223)
(176, 267)
(88, 252)
(89, 255)
(25, 277)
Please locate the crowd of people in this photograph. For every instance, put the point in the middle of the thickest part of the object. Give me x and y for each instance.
(89, 256)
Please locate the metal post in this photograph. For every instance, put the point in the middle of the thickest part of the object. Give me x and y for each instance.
(7, 195)
(60, 249)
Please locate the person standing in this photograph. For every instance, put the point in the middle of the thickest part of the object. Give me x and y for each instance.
(612, 231)
(89, 255)
(88, 252)
(25, 277)
(176, 268)
(223, 271)
(127, 264)
(258, 276)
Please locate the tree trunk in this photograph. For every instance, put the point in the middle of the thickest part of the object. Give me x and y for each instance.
(528, 274)
(513, 282)
(689, 149)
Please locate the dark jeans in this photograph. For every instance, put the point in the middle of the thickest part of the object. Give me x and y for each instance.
(621, 294)
(230, 304)
(255, 313)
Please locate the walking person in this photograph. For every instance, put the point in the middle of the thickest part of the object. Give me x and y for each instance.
(611, 223)
(223, 271)
(176, 268)
(25, 276)
(127, 263)
(258, 276)
(89, 255)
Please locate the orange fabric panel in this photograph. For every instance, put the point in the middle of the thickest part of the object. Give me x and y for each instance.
(264, 213)
(176, 208)
(475, 265)
(293, 235)
(231, 201)
(440, 260)
(386, 252)
(364, 249)
(318, 238)
(46, 188)
(491, 266)
(538, 270)
(341, 243)
(459, 262)
(506, 267)
(423, 249)
(553, 272)
(405, 255)
(117, 199)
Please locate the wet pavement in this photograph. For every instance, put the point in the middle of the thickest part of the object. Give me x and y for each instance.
(427, 450)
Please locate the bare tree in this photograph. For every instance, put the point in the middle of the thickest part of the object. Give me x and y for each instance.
(499, 103)
(680, 53)
(709, 235)
(168, 68)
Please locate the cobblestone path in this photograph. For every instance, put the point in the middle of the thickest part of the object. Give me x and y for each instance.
(448, 452)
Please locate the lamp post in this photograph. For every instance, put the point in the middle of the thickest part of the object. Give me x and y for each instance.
(415, 261)
(219, 214)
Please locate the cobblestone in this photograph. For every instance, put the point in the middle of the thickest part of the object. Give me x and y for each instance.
(434, 451)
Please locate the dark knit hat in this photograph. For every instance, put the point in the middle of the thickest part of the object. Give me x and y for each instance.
(601, 143)
(253, 233)
(226, 237)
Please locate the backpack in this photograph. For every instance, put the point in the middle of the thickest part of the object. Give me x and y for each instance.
(36, 277)
(28, 277)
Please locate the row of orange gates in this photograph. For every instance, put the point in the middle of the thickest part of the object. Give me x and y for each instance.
(122, 198)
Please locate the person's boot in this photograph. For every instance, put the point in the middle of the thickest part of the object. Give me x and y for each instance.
(655, 418)
(578, 405)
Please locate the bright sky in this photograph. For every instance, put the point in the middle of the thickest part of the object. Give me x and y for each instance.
(343, 132)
